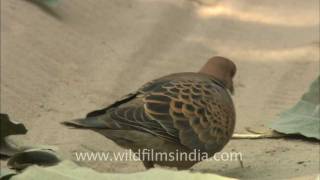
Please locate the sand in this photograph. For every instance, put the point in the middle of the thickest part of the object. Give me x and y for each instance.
(85, 55)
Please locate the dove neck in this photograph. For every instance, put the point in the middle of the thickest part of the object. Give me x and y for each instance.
(217, 73)
(221, 74)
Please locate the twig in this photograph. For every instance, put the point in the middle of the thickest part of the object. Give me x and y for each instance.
(258, 135)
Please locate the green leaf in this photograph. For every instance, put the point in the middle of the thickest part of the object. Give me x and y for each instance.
(51, 2)
(6, 173)
(9, 127)
(304, 117)
(23, 156)
(41, 157)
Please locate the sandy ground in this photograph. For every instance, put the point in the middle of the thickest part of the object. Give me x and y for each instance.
(59, 66)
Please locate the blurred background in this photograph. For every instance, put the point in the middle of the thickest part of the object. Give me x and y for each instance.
(61, 59)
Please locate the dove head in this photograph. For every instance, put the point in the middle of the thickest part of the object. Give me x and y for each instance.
(222, 69)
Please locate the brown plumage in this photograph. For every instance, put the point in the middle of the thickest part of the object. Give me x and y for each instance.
(179, 112)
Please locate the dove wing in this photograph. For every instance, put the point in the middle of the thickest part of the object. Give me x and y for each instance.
(190, 109)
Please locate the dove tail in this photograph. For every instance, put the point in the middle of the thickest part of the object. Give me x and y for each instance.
(95, 122)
